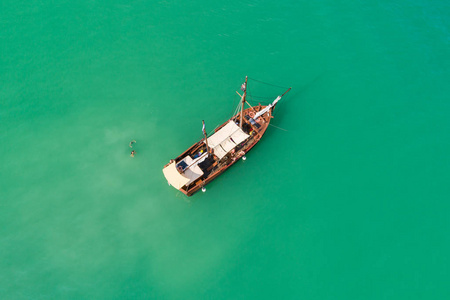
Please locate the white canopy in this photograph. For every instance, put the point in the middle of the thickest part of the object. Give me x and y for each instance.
(228, 137)
(194, 171)
(190, 174)
(174, 178)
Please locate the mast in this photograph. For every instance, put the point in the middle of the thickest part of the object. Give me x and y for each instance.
(244, 88)
(206, 138)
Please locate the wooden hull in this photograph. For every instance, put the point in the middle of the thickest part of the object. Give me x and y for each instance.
(256, 131)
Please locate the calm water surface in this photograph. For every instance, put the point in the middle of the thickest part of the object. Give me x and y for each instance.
(351, 202)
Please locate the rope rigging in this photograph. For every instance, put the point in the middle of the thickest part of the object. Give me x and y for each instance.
(254, 100)
(282, 87)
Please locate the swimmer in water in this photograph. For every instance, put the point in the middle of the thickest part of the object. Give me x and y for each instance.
(133, 153)
(132, 142)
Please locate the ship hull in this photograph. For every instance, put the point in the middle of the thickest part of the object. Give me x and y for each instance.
(256, 129)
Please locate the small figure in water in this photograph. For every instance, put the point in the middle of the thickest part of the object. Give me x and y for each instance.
(131, 143)
(133, 153)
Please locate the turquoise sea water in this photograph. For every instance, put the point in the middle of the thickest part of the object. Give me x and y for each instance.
(351, 202)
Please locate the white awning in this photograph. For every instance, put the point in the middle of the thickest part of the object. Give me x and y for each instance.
(228, 137)
(190, 174)
(174, 178)
(194, 171)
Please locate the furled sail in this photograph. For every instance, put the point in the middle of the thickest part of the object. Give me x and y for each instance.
(267, 108)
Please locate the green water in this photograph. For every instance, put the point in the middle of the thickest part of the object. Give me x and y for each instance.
(351, 202)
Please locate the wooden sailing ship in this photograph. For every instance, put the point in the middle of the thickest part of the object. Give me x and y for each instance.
(205, 160)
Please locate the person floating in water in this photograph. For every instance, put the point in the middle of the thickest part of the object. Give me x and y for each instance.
(132, 142)
(133, 153)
